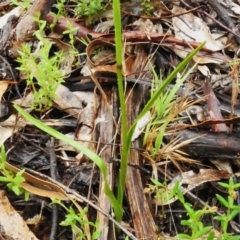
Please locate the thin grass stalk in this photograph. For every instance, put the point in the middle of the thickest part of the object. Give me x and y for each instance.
(89, 153)
(156, 95)
(124, 129)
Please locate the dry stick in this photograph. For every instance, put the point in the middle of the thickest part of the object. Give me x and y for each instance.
(222, 13)
(53, 173)
(79, 197)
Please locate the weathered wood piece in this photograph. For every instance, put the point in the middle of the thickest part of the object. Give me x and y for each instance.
(106, 131)
(143, 221)
(27, 25)
(210, 144)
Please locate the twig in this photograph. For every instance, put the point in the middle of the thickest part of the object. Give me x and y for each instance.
(53, 173)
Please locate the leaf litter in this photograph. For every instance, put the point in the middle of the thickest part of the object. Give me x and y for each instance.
(203, 125)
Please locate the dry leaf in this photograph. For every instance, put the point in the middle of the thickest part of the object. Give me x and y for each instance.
(192, 180)
(12, 224)
(67, 101)
(141, 124)
(188, 27)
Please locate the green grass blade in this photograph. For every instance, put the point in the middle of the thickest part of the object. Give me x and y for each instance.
(90, 154)
(124, 153)
(165, 83)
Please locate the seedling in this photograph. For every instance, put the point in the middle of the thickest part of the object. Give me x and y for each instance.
(42, 72)
(76, 222)
(24, 4)
(89, 8)
(232, 210)
(13, 180)
(146, 7)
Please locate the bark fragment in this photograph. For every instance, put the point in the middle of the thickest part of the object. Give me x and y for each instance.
(143, 221)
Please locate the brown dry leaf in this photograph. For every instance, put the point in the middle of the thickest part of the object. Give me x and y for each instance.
(188, 27)
(12, 224)
(105, 53)
(139, 64)
(66, 65)
(87, 118)
(7, 132)
(209, 123)
(133, 65)
(67, 101)
(147, 26)
(222, 164)
(193, 180)
(233, 6)
(235, 87)
(213, 106)
(40, 187)
(141, 124)
(3, 87)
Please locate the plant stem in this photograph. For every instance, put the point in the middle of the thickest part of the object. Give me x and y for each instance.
(125, 148)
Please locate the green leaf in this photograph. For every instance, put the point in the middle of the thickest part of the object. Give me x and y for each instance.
(202, 232)
(3, 155)
(234, 213)
(4, 179)
(167, 81)
(90, 154)
(237, 237)
(222, 200)
(190, 211)
(236, 185)
(220, 218)
(183, 236)
(96, 234)
(156, 182)
(26, 195)
(186, 222)
(211, 236)
(225, 185)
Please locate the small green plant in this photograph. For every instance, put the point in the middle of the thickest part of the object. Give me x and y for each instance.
(46, 71)
(198, 230)
(146, 7)
(232, 210)
(164, 193)
(126, 134)
(163, 111)
(42, 68)
(88, 8)
(76, 222)
(24, 4)
(71, 32)
(13, 180)
(60, 8)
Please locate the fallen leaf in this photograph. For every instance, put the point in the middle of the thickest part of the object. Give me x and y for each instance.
(192, 180)
(12, 224)
(188, 27)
